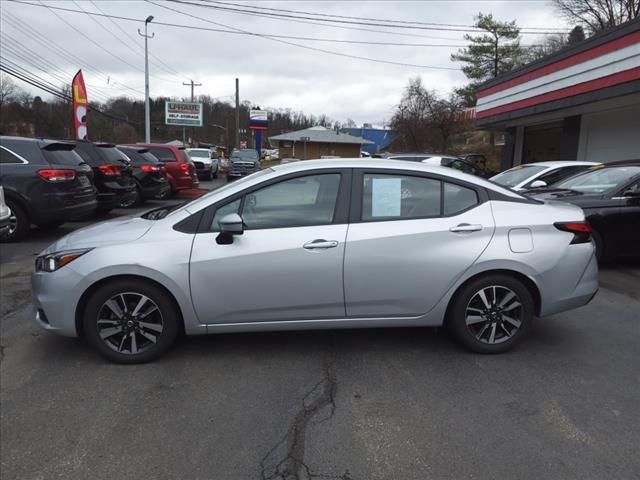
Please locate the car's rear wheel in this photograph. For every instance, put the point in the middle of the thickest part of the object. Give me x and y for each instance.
(130, 321)
(492, 313)
(19, 224)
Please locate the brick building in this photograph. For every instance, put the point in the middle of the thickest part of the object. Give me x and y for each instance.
(317, 142)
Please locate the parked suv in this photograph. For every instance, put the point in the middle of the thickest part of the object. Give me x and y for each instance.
(206, 162)
(181, 172)
(148, 173)
(112, 175)
(243, 162)
(45, 183)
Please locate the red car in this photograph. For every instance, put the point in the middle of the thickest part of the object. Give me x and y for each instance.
(180, 170)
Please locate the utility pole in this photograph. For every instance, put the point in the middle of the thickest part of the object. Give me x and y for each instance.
(147, 114)
(193, 84)
(237, 113)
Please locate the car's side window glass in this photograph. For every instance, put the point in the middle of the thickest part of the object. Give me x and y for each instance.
(7, 157)
(297, 202)
(458, 198)
(633, 189)
(232, 207)
(463, 167)
(390, 197)
(558, 174)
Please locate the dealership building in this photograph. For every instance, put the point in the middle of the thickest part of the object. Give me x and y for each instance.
(582, 103)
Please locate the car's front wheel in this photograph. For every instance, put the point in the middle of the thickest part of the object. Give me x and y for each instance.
(131, 321)
(492, 313)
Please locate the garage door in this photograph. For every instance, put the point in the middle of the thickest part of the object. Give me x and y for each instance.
(611, 135)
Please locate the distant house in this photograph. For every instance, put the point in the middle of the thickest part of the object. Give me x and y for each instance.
(317, 142)
(380, 137)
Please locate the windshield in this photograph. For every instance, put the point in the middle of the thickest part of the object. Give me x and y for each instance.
(600, 180)
(112, 154)
(199, 153)
(245, 155)
(516, 175)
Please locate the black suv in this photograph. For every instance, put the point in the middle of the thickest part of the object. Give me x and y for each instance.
(111, 174)
(45, 183)
(148, 173)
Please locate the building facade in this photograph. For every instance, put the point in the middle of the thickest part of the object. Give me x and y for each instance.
(317, 142)
(582, 103)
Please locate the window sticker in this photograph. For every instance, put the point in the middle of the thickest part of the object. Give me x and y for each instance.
(386, 195)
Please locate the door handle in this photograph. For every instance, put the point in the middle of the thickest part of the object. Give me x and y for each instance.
(320, 244)
(465, 228)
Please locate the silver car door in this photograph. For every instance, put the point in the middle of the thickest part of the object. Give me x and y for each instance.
(287, 265)
(411, 239)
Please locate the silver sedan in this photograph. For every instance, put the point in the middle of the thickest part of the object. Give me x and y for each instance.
(321, 244)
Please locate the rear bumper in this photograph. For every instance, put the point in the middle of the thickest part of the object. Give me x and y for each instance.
(112, 193)
(62, 207)
(154, 187)
(561, 299)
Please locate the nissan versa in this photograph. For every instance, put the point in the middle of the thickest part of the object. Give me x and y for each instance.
(321, 244)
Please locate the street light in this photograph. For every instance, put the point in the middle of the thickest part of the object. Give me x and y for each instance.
(147, 115)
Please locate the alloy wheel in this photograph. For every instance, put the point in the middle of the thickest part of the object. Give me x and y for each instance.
(494, 314)
(13, 224)
(130, 323)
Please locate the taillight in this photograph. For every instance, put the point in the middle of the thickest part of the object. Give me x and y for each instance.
(149, 168)
(581, 230)
(109, 170)
(57, 175)
(184, 167)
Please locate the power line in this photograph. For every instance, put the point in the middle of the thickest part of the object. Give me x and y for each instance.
(163, 65)
(306, 47)
(23, 28)
(80, 32)
(194, 27)
(405, 22)
(369, 23)
(32, 79)
(19, 50)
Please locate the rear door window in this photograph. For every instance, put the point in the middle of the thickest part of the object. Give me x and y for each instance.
(457, 198)
(399, 197)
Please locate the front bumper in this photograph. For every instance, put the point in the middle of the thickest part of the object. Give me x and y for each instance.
(55, 296)
(241, 170)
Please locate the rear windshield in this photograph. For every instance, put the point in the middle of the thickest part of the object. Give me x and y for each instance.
(164, 154)
(517, 175)
(138, 157)
(200, 153)
(112, 154)
(61, 154)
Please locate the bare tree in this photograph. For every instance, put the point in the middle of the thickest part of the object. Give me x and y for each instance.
(7, 88)
(425, 121)
(598, 15)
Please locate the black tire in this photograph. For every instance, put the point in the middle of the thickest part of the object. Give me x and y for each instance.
(599, 244)
(20, 224)
(132, 202)
(468, 297)
(210, 174)
(167, 316)
(49, 225)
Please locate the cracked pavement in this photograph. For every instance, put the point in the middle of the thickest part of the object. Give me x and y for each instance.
(349, 405)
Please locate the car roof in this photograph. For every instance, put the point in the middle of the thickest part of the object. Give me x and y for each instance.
(391, 165)
(559, 163)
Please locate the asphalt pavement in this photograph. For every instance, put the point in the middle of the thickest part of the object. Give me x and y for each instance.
(350, 404)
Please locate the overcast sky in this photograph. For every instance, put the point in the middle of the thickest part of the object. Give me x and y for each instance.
(272, 74)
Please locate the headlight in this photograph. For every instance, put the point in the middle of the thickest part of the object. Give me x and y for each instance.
(53, 261)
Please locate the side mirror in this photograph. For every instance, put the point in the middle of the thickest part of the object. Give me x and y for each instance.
(230, 225)
(539, 184)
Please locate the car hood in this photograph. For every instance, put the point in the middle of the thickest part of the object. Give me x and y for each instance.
(116, 231)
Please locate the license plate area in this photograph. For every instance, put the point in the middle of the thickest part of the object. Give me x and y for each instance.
(84, 181)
